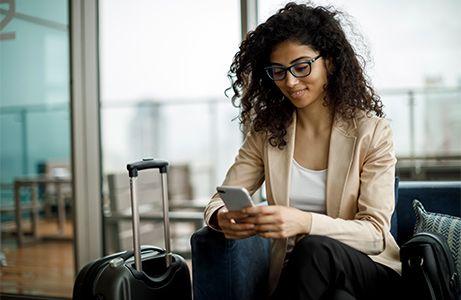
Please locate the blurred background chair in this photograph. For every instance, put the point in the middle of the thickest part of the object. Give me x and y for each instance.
(184, 217)
(57, 198)
(38, 200)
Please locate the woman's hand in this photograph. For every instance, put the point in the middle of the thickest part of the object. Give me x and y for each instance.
(231, 229)
(276, 221)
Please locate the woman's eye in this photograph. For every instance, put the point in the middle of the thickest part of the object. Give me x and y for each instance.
(277, 71)
(300, 68)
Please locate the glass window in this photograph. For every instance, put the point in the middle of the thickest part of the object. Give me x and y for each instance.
(163, 67)
(36, 253)
(413, 63)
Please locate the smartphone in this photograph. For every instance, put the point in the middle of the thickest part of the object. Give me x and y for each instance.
(235, 197)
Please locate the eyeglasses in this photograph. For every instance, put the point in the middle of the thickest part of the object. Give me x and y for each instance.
(298, 70)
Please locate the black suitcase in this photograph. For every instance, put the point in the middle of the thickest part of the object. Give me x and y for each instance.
(147, 272)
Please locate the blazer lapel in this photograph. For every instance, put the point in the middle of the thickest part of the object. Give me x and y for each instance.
(341, 151)
(280, 166)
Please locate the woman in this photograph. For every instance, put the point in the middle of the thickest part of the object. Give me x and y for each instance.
(318, 140)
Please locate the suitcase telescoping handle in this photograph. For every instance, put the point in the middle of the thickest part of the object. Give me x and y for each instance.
(133, 168)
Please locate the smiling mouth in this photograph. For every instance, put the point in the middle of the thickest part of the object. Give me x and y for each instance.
(298, 94)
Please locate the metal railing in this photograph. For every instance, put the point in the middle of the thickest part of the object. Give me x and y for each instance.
(411, 94)
(391, 98)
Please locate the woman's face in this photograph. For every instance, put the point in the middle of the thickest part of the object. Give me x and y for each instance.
(306, 91)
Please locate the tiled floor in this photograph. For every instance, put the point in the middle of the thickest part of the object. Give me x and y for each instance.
(41, 268)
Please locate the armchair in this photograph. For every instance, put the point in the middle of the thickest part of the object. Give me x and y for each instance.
(237, 269)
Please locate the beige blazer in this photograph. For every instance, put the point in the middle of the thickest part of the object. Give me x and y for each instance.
(359, 187)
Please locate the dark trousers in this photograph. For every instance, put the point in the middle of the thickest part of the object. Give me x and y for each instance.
(323, 268)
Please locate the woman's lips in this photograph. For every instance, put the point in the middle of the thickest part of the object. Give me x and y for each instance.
(299, 93)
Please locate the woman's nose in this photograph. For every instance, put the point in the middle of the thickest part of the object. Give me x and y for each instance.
(290, 80)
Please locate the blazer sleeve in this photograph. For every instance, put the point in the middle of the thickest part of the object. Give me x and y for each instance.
(246, 171)
(367, 231)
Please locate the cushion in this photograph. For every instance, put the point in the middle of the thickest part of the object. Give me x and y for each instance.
(445, 225)
(436, 196)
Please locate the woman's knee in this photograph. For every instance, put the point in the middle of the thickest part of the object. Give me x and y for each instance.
(312, 263)
(313, 243)
(313, 247)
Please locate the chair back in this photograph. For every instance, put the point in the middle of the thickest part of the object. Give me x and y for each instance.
(439, 197)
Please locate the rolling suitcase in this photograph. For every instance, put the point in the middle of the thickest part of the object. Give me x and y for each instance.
(147, 272)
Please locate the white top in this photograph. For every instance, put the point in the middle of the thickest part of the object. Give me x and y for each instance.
(307, 188)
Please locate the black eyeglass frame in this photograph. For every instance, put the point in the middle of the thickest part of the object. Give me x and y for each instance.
(290, 69)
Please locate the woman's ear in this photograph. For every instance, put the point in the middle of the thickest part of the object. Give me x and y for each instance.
(329, 66)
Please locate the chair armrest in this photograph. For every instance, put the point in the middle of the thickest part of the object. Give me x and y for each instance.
(229, 269)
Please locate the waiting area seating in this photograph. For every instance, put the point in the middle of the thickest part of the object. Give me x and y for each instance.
(186, 212)
(237, 269)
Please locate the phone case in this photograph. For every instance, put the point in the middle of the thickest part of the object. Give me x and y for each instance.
(235, 198)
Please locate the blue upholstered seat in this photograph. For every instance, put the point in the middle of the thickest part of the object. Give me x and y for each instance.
(237, 269)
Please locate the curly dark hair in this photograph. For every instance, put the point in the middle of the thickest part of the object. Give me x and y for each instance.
(263, 106)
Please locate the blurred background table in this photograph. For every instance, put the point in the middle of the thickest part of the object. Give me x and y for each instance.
(33, 183)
